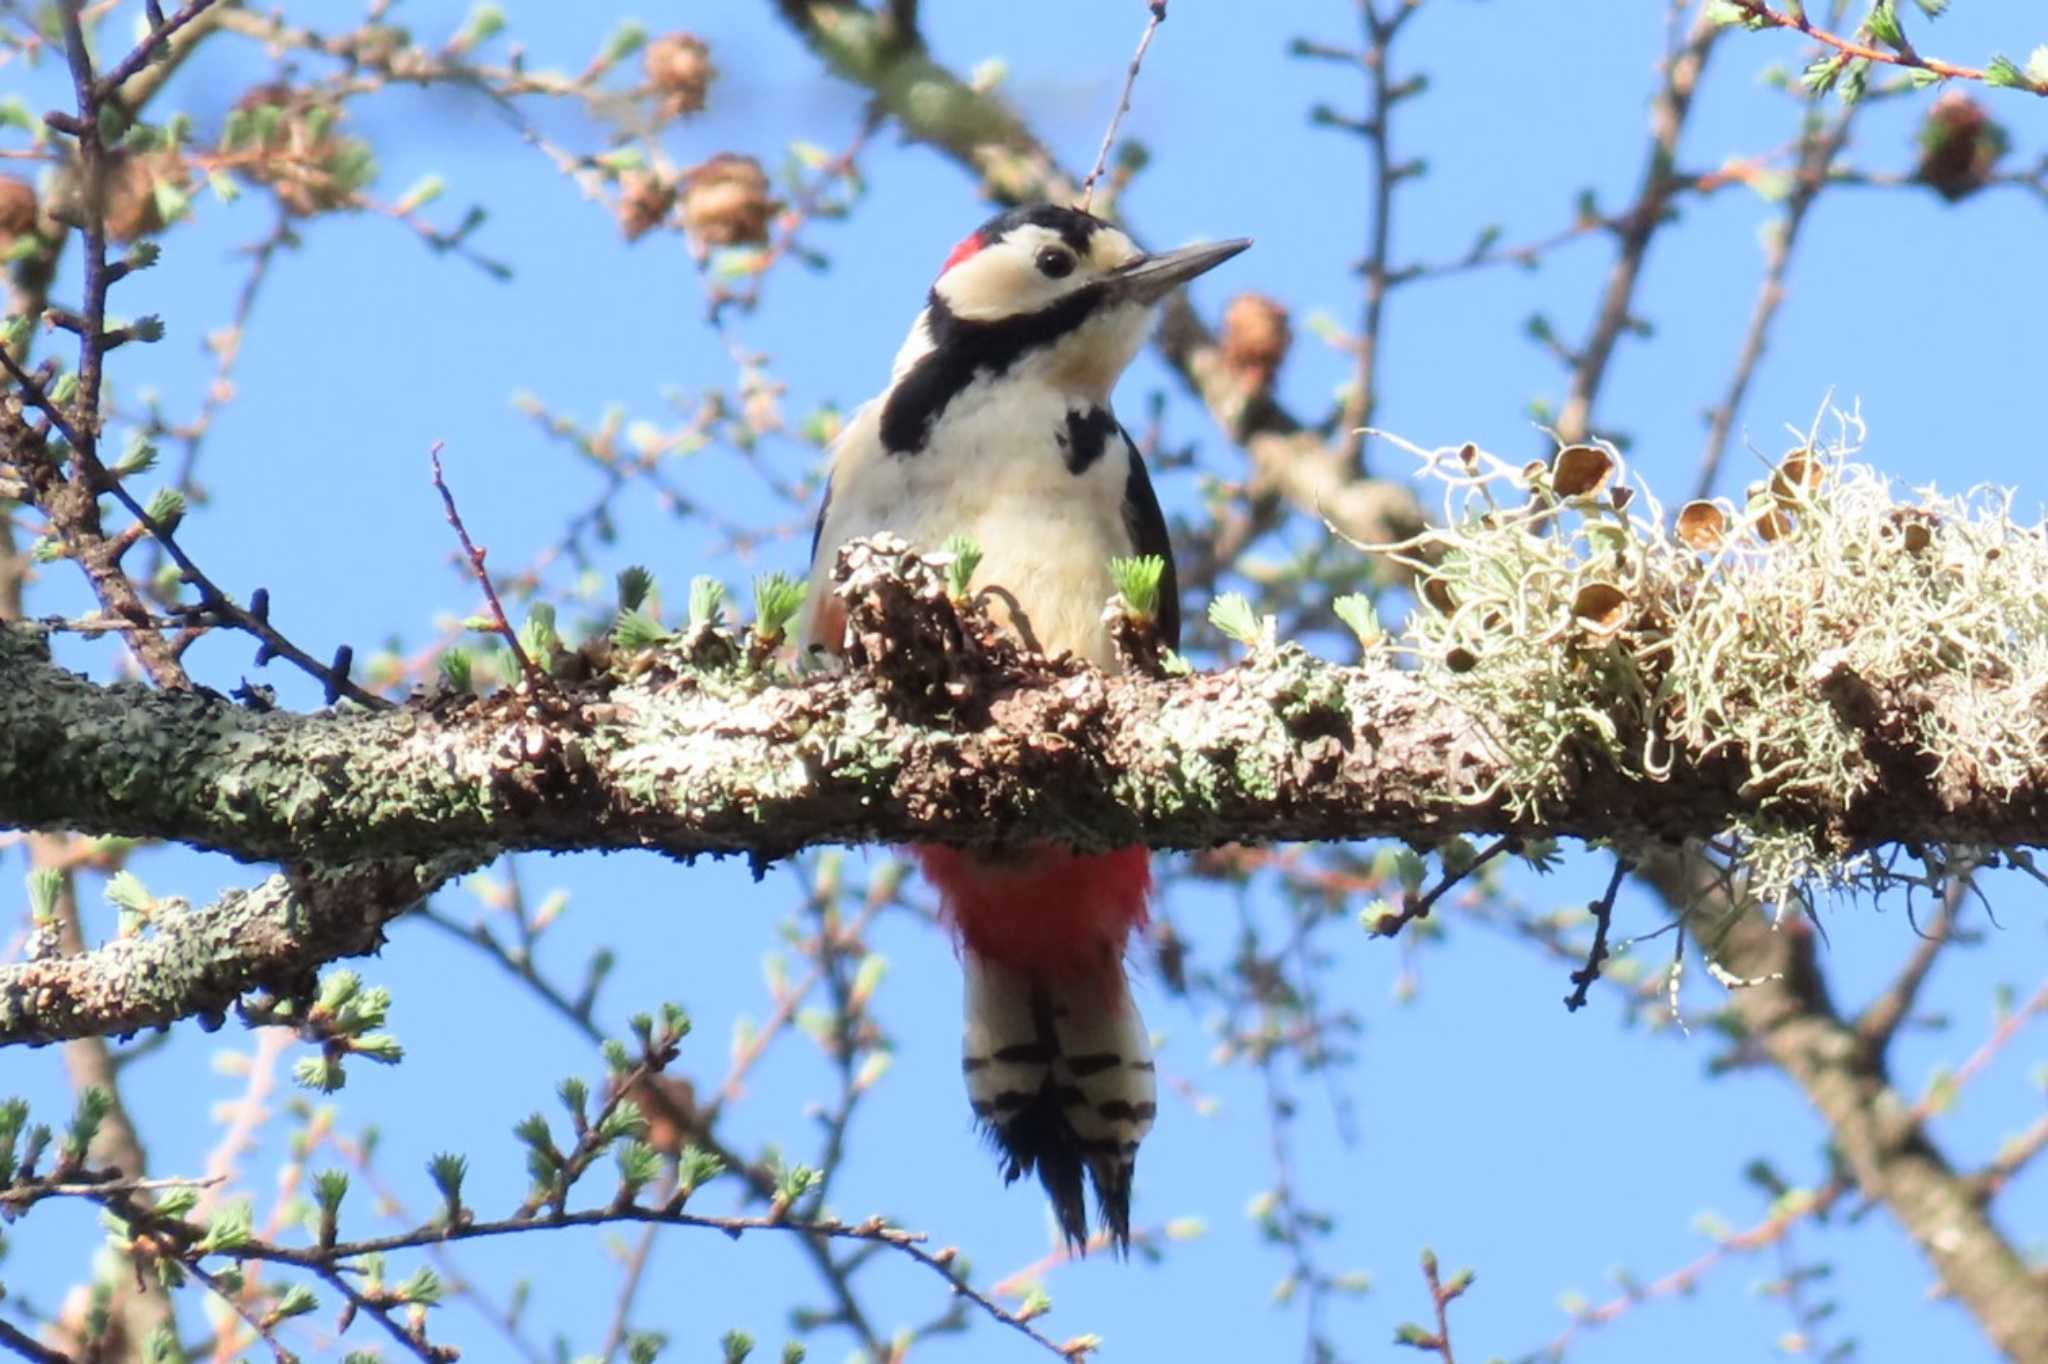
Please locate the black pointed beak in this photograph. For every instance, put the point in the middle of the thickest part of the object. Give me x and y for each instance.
(1151, 278)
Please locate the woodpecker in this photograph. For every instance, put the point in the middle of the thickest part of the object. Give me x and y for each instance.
(996, 425)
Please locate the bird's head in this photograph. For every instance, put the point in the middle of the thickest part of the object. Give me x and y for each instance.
(1059, 290)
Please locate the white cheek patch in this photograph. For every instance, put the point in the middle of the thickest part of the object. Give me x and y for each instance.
(986, 284)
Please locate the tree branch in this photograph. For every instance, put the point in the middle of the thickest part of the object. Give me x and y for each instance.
(1788, 1012)
(201, 963)
(943, 729)
(1282, 747)
(1661, 183)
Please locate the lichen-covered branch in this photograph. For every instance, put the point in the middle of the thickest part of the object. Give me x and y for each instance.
(945, 729)
(974, 750)
(199, 963)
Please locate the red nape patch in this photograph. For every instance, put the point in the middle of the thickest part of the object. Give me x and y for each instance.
(969, 244)
(1048, 912)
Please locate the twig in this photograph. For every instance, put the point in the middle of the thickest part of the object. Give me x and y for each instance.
(246, 1115)
(760, 1182)
(1603, 918)
(1683, 1280)
(629, 1288)
(146, 51)
(456, 1280)
(118, 597)
(228, 348)
(1882, 1019)
(2008, 1028)
(1661, 181)
(1382, 94)
(1482, 255)
(139, 1306)
(187, 618)
(1286, 1219)
(786, 1010)
(1817, 154)
(33, 392)
(1417, 906)
(360, 1302)
(28, 1347)
(329, 1262)
(2012, 1158)
(534, 677)
(1019, 1282)
(20, 1196)
(1904, 55)
(1441, 1295)
(233, 1299)
(1158, 8)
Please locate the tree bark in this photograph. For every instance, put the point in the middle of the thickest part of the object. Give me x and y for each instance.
(943, 729)
(974, 750)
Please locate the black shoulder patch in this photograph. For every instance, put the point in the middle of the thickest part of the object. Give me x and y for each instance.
(963, 351)
(1147, 525)
(1085, 436)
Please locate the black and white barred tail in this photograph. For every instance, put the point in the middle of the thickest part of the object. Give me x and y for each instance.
(1060, 1074)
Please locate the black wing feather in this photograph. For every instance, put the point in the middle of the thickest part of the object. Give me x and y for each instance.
(818, 530)
(1147, 525)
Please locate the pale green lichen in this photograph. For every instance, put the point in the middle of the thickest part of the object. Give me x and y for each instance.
(1574, 621)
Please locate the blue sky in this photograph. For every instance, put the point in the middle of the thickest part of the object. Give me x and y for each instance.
(1546, 1150)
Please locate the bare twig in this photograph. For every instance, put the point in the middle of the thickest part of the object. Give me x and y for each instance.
(20, 1195)
(1818, 151)
(28, 1347)
(534, 676)
(2012, 1158)
(1682, 1281)
(1882, 1019)
(1382, 93)
(636, 1272)
(141, 1306)
(148, 50)
(1158, 9)
(1603, 918)
(1661, 180)
(2008, 1028)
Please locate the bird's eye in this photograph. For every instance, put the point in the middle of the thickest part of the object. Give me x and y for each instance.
(1054, 263)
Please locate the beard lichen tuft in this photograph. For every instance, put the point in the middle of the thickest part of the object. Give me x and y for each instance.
(1798, 648)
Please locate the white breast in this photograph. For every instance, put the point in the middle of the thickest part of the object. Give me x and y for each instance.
(994, 472)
